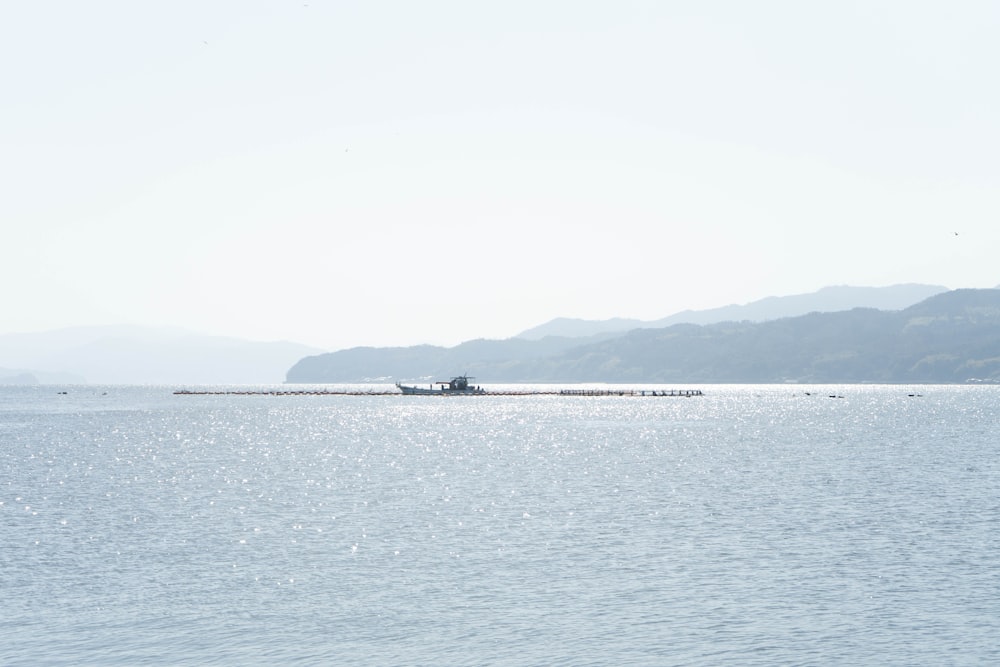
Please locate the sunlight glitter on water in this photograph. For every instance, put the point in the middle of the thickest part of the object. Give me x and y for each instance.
(755, 524)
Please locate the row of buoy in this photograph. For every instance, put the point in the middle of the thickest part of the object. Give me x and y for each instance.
(246, 392)
(630, 392)
(326, 392)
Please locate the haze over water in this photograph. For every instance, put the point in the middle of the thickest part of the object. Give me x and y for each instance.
(316, 171)
(753, 525)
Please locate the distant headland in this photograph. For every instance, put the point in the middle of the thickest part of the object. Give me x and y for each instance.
(947, 337)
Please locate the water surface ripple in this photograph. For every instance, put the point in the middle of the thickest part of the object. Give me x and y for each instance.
(753, 525)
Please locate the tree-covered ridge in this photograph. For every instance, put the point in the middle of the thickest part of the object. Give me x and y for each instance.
(950, 337)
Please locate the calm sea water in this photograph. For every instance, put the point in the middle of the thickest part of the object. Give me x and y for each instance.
(754, 525)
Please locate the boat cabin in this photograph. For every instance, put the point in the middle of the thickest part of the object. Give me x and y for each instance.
(460, 383)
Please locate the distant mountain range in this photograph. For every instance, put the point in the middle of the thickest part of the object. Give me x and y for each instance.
(949, 337)
(142, 355)
(815, 337)
(826, 300)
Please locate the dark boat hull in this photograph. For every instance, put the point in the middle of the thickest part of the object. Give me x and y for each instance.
(421, 391)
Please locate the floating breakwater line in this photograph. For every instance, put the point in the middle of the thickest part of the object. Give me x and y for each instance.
(630, 392)
(684, 393)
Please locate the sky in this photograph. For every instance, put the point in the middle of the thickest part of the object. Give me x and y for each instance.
(400, 173)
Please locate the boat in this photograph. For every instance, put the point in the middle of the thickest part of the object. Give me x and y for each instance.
(457, 386)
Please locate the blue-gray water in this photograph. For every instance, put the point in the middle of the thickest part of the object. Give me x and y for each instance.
(753, 525)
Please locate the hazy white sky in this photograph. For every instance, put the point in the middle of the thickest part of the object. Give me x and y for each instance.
(394, 173)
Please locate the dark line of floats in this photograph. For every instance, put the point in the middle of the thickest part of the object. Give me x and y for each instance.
(684, 393)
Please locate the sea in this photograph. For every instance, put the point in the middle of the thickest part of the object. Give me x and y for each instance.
(753, 525)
